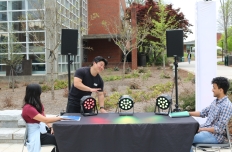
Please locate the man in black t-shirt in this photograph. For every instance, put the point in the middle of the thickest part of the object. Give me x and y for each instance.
(86, 81)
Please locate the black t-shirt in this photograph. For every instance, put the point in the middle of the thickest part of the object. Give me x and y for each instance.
(87, 79)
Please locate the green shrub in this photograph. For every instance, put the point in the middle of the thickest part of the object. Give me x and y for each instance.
(45, 88)
(164, 75)
(190, 77)
(149, 108)
(135, 74)
(142, 70)
(220, 63)
(187, 101)
(116, 68)
(60, 84)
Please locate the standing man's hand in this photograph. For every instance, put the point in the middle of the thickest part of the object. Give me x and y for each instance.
(102, 110)
(94, 89)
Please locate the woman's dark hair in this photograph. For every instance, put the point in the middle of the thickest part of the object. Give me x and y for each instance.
(32, 96)
(222, 83)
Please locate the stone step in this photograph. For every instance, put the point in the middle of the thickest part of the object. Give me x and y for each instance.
(13, 119)
(10, 119)
(12, 135)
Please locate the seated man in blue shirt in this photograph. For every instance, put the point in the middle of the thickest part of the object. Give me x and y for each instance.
(218, 115)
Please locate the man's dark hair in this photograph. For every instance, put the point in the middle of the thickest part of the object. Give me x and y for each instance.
(100, 58)
(222, 83)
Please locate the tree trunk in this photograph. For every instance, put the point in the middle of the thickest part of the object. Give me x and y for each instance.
(52, 78)
(124, 65)
(12, 78)
(163, 61)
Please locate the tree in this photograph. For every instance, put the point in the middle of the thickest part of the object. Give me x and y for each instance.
(123, 33)
(224, 21)
(13, 59)
(179, 21)
(161, 24)
(51, 21)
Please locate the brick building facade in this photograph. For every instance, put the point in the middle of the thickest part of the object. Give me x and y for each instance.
(98, 38)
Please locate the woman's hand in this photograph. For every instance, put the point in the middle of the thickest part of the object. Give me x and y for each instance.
(52, 131)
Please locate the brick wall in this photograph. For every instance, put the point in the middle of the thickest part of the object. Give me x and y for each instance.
(106, 10)
(104, 48)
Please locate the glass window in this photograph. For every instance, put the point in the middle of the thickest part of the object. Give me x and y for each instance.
(16, 16)
(35, 15)
(64, 67)
(3, 6)
(2, 68)
(17, 5)
(36, 36)
(19, 47)
(35, 25)
(37, 58)
(63, 58)
(3, 27)
(18, 26)
(3, 16)
(36, 4)
(59, 68)
(38, 67)
(3, 48)
(36, 47)
(3, 37)
(19, 37)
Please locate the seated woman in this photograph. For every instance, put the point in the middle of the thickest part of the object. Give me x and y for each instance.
(33, 114)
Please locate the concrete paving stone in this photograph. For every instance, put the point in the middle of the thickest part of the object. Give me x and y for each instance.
(19, 134)
(4, 146)
(7, 133)
(19, 147)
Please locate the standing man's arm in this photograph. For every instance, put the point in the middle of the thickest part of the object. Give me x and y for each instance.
(78, 84)
(101, 101)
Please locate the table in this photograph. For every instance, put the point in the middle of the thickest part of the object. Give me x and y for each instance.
(142, 132)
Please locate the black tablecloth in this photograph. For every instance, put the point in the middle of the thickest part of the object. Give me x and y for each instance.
(142, 132)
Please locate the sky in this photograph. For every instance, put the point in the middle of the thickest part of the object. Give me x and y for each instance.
(188, 9)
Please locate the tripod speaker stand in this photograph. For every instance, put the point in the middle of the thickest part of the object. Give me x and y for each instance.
(176, 83)
(174, 40)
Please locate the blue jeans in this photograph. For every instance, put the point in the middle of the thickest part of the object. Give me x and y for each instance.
(189, 59)
(204, 137)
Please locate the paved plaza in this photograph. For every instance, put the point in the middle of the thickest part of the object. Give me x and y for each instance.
(221, 71)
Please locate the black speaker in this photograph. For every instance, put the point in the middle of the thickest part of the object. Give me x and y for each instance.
(174, 42)
(69, 41)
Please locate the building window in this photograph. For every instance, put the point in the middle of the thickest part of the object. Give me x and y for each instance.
(36, 4)
(3, 48)
(35, 25)
(3, 6)
(36, 47)
(20, 37)
(3, 27)
(16, 16)
(36, 36)
(17, 5)
(4, 37)
(17, 26)
(3, 16)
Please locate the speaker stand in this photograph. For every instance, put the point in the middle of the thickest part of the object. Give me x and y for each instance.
(69, 72)
(176, 84)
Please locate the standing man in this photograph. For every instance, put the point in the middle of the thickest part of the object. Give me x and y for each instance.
(86, 81)
(218, 114)
(189, 56)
